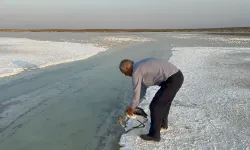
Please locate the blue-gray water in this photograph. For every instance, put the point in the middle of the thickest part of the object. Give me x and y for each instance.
(81, 99)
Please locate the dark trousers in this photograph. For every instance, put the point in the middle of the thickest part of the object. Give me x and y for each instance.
(160, 105)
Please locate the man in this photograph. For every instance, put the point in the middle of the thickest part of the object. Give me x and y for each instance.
(150, 72)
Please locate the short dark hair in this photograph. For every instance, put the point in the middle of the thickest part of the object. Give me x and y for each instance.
(124, 63)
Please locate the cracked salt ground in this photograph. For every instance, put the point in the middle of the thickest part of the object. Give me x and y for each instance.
(212, 109)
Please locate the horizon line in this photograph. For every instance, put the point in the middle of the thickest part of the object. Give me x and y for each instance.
(244, 29)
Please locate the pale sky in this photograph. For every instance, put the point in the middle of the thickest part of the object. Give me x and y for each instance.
(124, 13)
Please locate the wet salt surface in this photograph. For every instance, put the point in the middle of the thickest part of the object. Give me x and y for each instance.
(64, 106)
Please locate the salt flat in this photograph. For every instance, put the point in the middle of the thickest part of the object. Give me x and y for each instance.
(74, 105)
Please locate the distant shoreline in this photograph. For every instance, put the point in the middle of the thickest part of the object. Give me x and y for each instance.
(235, 30)
(232, 34)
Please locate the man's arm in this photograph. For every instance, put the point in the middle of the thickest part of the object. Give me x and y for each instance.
(136, 81)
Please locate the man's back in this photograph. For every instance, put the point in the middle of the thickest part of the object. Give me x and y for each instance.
(153, 71)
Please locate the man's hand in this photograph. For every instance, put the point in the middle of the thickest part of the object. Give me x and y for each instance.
(130, 111)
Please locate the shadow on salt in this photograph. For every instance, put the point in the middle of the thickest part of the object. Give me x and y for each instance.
(26, 66)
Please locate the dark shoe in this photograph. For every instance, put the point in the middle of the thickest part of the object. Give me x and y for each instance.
(164, 127)
(149, 138)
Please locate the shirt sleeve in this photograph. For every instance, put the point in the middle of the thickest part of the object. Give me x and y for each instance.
(136, 81)
(143, 91)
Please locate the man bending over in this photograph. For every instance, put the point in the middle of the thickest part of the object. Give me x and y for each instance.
(150, 72)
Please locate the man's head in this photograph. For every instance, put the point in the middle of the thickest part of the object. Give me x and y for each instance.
(126, 67)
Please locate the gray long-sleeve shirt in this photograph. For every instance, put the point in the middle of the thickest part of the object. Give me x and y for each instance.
(149, 72)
